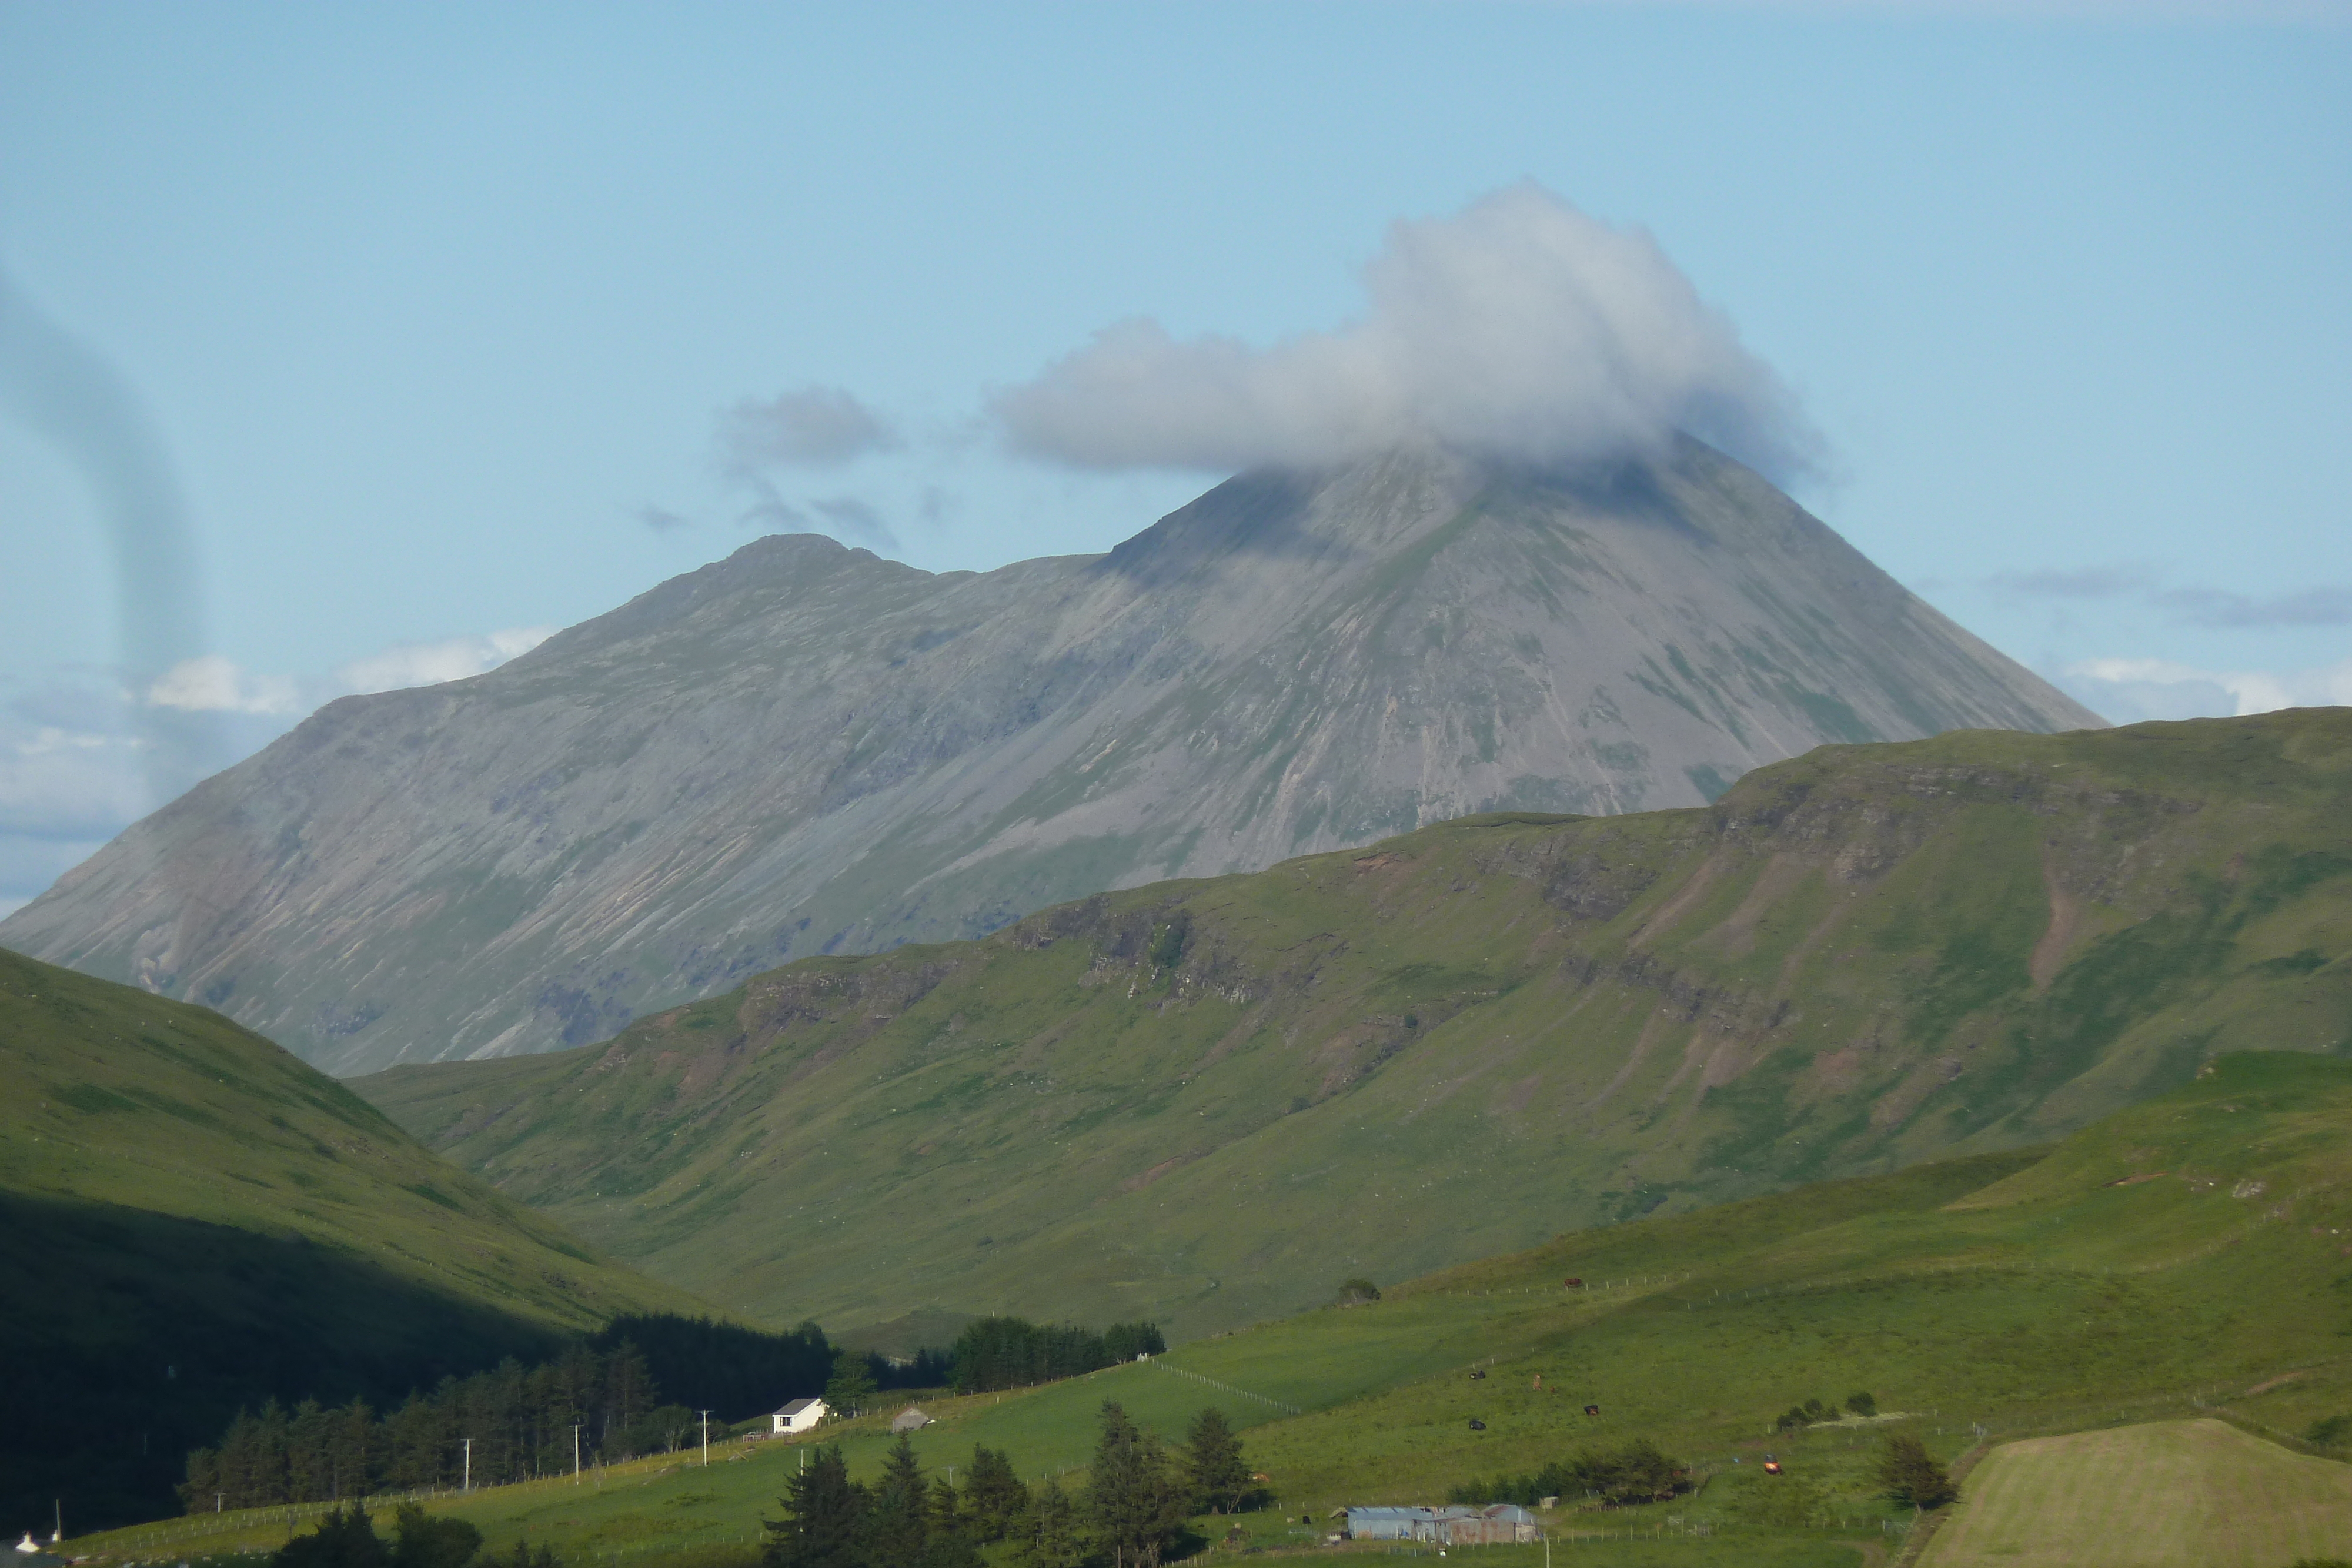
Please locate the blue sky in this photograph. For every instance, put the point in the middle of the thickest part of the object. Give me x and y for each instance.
(432, 317)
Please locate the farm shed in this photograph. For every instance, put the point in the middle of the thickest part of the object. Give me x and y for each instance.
(1497, 1524)
(799, 1415)
(1456, 1524)
(1384, 1523)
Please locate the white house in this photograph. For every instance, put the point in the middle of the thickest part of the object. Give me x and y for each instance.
(799, 1415)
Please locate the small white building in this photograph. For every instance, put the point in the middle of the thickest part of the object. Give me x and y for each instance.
(799, 1415)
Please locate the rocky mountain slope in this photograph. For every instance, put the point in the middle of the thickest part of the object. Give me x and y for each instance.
(1209, 1102)
(806, 749)
(192, 1220)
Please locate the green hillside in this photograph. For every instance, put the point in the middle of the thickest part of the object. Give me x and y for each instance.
(1208, 1102)
(2182, 1259)
(192, 1219)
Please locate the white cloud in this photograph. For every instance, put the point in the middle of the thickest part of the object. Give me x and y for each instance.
(2127, 690)
(1520, 326)
(211, 684)
(430, 663)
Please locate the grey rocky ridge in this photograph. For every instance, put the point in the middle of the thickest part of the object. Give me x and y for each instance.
(804, 748)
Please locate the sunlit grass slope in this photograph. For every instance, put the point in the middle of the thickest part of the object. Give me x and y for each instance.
(2184, 1257)
(2148, 1496)
(191, 1218)
(1209, 1102)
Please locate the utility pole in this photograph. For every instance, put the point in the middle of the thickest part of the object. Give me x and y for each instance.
(706, 1438)
(469, 1462)
(575, 1453)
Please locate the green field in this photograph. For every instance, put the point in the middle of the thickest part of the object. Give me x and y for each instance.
(2155, 1496)
(1208, 1102)
(192, 1219)
(2008, 1295)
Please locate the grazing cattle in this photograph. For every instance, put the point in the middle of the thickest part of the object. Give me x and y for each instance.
(1476, 1425)
(1573, 1283)
(1593, 1410)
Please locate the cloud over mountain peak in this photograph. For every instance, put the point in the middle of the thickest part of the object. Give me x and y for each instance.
(1519, 326)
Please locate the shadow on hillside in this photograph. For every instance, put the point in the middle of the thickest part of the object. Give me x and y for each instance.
(130, 1337)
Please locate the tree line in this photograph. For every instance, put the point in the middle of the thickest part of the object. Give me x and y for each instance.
(994, 1353)
(521, 1421)
(633, 1388)
(1635, 1471)
(1128, 1516)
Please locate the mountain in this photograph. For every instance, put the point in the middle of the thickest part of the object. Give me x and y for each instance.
(1206, 1102)
(191, 1219)
(806, 749)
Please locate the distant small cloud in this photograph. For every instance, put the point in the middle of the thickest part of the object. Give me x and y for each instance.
(430, 663)
(2129, 690)
(1519, 326)
(854, 520)
(212, 684)
(816, 426)
(2215, 607)
(659, 519)
(2080, 582)
(82, 756)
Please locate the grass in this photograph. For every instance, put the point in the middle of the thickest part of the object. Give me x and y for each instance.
(2005, 1296)
(1208, 1102)
(2155, 1494)
(192, 1219)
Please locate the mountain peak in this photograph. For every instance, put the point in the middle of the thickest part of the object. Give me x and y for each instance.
(805, 749)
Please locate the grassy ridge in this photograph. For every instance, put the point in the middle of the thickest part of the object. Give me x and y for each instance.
(1991, 1298)
(192, 1219)
(1206, 1102)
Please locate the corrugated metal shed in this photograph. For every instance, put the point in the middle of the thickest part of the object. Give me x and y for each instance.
(1456, 1524)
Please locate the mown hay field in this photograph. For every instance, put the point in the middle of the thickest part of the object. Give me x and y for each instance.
(2162, 1494)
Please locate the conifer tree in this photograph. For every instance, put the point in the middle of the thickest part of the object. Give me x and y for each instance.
(945, 1511)
(851, 1389)
(1133, 1504)
(900, 1524)
(1911, 1474)
(1048, 1530)
(1214, 1469)
(995, 1498)
(825, 1517)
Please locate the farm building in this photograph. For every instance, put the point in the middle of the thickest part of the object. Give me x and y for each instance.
(799, 1415)
(910, 1420)
(1384, 1523)
(1456, 1524)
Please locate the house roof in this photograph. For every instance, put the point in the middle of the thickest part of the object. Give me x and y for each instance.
(797, 1406)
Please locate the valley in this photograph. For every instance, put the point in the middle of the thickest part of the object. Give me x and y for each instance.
(2177, 1262)
(1206, 1102)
